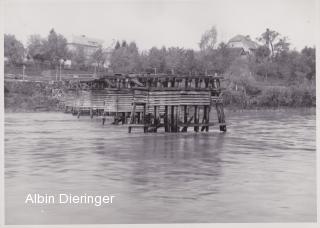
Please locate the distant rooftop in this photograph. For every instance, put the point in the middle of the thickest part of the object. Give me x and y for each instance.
(245, 40)
(87, 41)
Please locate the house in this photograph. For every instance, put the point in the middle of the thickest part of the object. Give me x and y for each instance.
(89, 45)
(244, 42)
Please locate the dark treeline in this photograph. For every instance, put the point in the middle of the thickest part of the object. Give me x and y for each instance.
(272, 75)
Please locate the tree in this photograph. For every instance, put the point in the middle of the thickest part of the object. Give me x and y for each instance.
(55, 47)
(134, 57)
(156, 59)
(208, 39)
(36, 48)
(174, 59)
(281, 46)
(189, 62)
(207, 44)
(99, 57)
(13, 49)
(125, 59)
(124, 44)
(117, 45)
(78, 57)
(269, 37)
(309, 59)
(262, 53)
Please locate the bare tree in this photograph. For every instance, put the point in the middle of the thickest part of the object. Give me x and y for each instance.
(208, 39)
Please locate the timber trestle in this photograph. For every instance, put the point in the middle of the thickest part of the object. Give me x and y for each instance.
(150, 101)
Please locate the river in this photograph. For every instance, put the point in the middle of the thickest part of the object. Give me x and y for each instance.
(263, 169)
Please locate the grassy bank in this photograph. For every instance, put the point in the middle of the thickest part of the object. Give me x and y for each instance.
(252, 96)
(30, 97)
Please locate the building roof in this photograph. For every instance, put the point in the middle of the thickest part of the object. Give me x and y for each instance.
(245, 40)
(87, 41)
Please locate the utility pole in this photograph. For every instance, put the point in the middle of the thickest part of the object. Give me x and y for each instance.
(23, 69)
(60, 71)
(56, 73)
(60, 62)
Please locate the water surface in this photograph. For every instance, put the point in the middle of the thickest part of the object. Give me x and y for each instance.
(262, 170)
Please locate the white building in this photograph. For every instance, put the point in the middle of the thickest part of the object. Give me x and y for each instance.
(89, 45)
(244, 42)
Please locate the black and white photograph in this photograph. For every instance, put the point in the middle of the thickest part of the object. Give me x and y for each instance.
(159, 111)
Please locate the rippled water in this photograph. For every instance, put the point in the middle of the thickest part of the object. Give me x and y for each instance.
(262, 170)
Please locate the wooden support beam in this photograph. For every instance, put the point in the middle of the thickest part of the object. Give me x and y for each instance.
(79, 113)
(208, 118)
(221, 117)
(204, 117)
(205, 120)
(172, 129)
(144, 114)
(133, 113)
(196, 118)
(177, 118)
(155, 119)
(185, 115)
(186, 125)
(206, 82)
(166, 128)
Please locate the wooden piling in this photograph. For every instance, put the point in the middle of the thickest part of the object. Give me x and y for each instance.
(196, 118)
(166, 128)
(172, 128)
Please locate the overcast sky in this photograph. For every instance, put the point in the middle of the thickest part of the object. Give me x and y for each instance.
(162, 22)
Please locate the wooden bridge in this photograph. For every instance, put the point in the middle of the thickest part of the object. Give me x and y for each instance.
(150, 102)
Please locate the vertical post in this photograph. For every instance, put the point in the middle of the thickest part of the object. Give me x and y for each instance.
(206, 82)
(127, 116)
(145, 128)
(221, 118)
(185, 111)
(56, 74)
(196, 120)
(177, 118)
(185, 118)
(138, 120)
(23, 69)
(172, 119)
(155, 119)
(133, 113)
(208, 118)
(166, 118)
(204, 117)
(60, 70)
(123, 118)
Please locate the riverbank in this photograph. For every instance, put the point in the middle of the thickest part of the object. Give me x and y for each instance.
(294, 96)
(26, 96)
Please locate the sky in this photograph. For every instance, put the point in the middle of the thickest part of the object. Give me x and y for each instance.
(149, 23)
